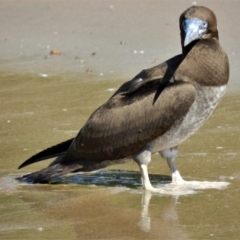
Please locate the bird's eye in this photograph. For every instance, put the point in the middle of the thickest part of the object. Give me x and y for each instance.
(204, 25)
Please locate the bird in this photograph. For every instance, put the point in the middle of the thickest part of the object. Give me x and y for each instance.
(154, 112)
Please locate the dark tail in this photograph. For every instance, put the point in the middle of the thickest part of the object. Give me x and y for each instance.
(48, 174)
(53, 151)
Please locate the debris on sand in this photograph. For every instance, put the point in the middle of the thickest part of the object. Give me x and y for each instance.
(44, 75)
(88, 70)
(55, 52)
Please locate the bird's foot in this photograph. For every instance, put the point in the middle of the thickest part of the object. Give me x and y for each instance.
(177, 178)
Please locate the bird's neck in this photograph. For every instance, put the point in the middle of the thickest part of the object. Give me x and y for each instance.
(187, 49)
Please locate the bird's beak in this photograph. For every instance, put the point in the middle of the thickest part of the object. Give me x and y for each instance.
(194, 29)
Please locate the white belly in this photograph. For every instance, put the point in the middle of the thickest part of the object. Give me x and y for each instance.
(207, 99)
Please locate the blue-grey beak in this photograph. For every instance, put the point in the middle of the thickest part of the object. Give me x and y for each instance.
(194, 29)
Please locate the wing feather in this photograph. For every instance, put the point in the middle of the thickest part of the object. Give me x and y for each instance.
(125, 124)
(51, 152)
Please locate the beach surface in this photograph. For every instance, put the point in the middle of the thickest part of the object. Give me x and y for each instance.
(59, 61)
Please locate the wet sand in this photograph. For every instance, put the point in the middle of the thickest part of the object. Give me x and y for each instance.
(45, 99)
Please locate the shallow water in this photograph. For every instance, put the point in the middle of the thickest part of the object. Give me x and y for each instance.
(109, 204)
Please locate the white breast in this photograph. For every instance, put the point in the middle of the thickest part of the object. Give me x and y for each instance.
(207, 99)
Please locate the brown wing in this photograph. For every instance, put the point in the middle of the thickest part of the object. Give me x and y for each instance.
(162, 72)
(125, 124)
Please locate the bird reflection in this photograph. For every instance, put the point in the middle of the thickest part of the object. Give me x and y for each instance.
(163, 223)
(145, 221)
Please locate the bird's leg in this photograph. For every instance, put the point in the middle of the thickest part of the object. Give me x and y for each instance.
(169, 155)
(142, 158)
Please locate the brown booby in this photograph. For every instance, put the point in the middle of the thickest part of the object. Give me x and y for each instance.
(154, 112)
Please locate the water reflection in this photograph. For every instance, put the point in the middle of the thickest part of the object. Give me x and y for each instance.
(168, 214)
(105, 203)
(131, 180)
(164, 222)
(145, 221)
(123, 178)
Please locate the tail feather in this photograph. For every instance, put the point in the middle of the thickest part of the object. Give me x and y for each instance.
(53, 151)
(47, 174)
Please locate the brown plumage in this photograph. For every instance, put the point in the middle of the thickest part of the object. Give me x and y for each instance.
(154, 112)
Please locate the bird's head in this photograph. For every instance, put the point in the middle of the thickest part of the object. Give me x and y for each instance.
(197, 23)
